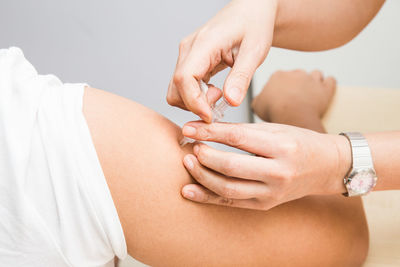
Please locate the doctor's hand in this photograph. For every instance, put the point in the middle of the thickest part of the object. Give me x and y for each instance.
(288, 163)
(239, 36)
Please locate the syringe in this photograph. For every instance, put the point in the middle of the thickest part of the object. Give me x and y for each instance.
(217, 112)
(219, 109)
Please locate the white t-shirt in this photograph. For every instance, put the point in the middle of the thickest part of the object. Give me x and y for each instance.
(55, 205)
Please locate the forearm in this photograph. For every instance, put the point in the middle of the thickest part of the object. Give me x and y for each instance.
(312, 25)
(386, 158)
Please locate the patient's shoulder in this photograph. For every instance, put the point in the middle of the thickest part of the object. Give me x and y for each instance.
(121, 116)
(123, 130)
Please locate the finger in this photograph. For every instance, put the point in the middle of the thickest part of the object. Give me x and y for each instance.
(330, 84)
(222, 185)
(202, 59)
(317, 75)
(173, 96)
(193, 97)
(250, 56)
(258, 138)
(198, 193)
(185, 89)
(270, 127)
(234, 164)
(213, 94)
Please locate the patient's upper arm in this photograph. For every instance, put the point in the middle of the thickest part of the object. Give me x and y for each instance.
(142, 161)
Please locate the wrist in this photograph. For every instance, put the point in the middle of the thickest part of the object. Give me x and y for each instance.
(343, 164)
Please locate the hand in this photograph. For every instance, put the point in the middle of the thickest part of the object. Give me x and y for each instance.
(294, 92)
(289, 163)
(239, 36)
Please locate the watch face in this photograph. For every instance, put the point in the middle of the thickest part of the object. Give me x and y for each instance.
(362, 181)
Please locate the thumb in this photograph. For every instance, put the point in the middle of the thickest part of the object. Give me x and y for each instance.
(250, 56)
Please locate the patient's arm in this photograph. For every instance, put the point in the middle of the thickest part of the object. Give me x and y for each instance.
(142, 161)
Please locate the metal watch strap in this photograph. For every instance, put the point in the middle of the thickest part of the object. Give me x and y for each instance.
(361, 154)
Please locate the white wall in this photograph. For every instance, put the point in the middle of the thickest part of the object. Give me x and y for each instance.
(128, 47)
(371, 59)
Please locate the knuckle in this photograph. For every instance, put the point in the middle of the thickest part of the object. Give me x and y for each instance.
(202, 154)
(228, 190)
(184, 43)
(291, 147)
(205, 198)
(203, 133)
(236, 136)
(226, 201)
(171, 99)
(206, 132)
(331, 80)
(286, 177)
(229, 166)
(202, 34)
(178, 78)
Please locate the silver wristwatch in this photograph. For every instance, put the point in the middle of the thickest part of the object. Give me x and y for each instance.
(362, 178)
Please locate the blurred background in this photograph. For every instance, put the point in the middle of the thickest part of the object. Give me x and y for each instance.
(130, 48)
(370, 60)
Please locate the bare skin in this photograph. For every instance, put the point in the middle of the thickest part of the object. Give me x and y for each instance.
(316, 25)
(141, 158)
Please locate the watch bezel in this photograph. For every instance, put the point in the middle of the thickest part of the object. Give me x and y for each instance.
(358, 171)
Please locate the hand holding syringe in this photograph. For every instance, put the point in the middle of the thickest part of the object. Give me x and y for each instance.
(217, 112)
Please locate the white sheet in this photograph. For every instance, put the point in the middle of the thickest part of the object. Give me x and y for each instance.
(55, 206)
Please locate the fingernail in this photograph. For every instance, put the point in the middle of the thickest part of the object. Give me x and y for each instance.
(234, 94)
(189, 131)
(188, 162)
(188, 194)
(196, 149)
